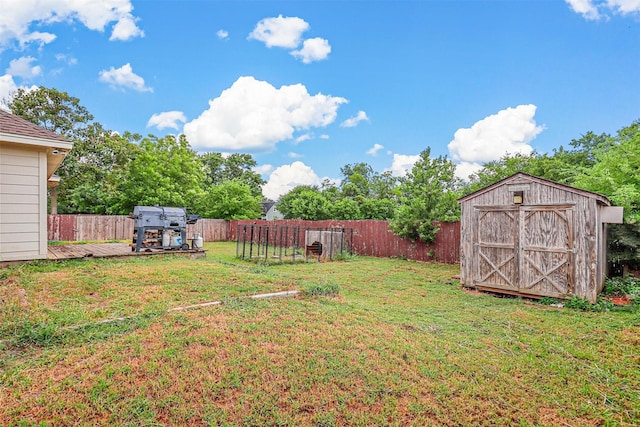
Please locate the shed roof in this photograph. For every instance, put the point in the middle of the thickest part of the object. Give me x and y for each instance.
(519, 176)
(16, 130)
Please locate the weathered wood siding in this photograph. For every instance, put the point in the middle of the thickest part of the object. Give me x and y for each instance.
(580, 210)
(23, 203)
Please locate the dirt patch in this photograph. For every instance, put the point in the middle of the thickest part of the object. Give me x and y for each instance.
(471, 291)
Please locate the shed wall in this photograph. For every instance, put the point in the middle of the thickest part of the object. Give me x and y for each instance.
(588, 239)
(23, 203)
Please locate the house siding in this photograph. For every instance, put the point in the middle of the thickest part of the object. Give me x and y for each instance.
(23, 200)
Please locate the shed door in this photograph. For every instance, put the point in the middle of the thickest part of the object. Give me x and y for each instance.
(546, 250)
(497, 243)
(525, 249)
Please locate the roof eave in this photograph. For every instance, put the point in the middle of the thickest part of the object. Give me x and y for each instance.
(37, 142)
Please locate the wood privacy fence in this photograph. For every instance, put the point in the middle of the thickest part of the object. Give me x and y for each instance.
(370, 237)
(77, 228)
(373, 238)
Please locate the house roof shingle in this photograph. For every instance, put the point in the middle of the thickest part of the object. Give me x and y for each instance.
(14, 125)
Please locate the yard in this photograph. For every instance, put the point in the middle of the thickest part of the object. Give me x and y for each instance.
(401, 343)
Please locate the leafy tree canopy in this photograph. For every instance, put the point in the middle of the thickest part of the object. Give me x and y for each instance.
(165, 172)
(428, 193)
(231, 200)
(51, 109)
(304, 202)
(220, 169)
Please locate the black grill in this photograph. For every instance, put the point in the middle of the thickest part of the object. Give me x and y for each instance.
(159, 227)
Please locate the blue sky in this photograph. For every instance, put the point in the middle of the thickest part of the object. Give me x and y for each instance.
(309, 86)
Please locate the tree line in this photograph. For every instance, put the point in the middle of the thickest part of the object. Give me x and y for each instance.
(110, 173)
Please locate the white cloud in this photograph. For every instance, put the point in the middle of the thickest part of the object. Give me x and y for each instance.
(126, 29)
(17, 19)
(254, 115)
(263, 169)
(586, 8)
(324, 136)
(293, 155)
(22, 67)
(167, 119)
(624, 6)
(7, 88)
(286, 177)
(596, 9)
(353, 121)
(280, 31)
(302, 138)
(124, 78)
(509, 131)
(373, 151)
(465, 169)
(222, 34)
(402, 164)
(315, 49)
(70, 60)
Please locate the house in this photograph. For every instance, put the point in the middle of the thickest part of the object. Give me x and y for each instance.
(269, 211)
(29, 156)
(534, 237)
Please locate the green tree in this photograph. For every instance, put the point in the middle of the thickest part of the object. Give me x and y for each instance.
(380, 209)
(92, 172)
(231, 200)
(357, 180)
(330, 191)
(384, 186)
(428, 194)
(345, 209)
(51, 109)
(304, 202)
(374, 194)
(165, 172)
(616, 173)
(220, 169)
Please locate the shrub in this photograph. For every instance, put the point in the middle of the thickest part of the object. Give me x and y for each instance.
(578, 303)
(618, 286)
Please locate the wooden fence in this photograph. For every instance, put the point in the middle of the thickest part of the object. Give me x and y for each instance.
(77, 228)
(370, 237)
(373, 238)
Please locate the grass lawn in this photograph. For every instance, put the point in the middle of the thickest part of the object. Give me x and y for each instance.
(400, 344)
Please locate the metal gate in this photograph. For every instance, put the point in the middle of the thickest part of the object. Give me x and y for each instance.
(525, 249)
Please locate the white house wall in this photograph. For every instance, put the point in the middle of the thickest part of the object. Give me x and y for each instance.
(23, 200)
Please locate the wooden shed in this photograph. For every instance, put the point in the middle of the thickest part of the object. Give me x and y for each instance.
(534, 237)
(29, 156)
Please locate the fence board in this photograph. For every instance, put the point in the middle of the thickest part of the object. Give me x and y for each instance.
(211, 230)
(61, 227)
